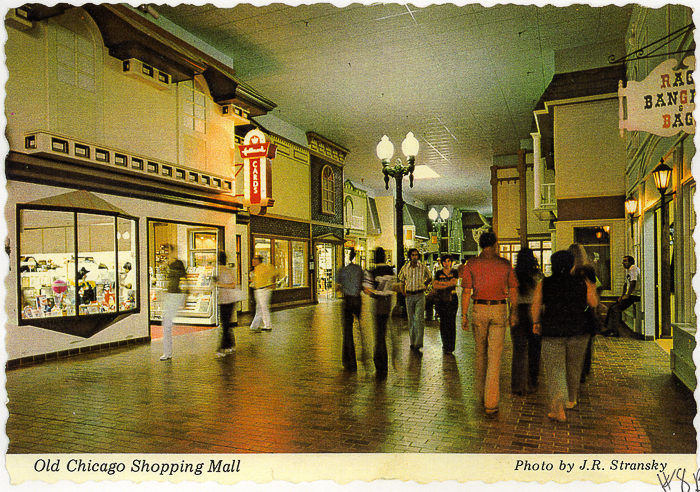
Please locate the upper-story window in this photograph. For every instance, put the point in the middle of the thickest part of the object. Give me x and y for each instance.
(75, 56)
(328, 190)
(193, 104)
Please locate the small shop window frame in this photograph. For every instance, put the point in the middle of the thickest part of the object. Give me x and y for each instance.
(290, 240)
(51, 320)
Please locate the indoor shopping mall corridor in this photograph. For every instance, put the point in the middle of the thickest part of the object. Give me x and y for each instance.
(285, 392)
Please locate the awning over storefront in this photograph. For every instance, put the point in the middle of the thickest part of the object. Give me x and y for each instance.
(80, 200)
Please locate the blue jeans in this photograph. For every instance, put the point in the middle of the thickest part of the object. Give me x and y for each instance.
(415, 308)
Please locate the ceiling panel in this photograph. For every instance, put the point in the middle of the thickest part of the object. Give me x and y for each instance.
(464, 79)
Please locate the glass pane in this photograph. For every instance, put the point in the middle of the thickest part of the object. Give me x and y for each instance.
(262, 247)
(96, 263)
(299, 268)
(596, 242)
(204, 240)
(282, 261)
(128, 267)
(47, 271)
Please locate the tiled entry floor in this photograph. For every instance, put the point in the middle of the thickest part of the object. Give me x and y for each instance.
(285, 392)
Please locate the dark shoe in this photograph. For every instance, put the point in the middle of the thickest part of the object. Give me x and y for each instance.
(611, 333)
(491, 412)
(381, 376)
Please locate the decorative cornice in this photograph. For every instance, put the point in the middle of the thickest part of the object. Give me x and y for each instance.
(326, 149)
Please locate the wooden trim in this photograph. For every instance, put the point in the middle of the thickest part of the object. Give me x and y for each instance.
(522, 170)
(589, 208)
(49, 172)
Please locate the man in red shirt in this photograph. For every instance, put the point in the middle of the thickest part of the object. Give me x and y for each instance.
(490, 281)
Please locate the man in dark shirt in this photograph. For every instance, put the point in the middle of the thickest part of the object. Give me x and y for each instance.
(349, 280)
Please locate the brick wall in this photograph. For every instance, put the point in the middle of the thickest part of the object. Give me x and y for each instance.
(278, 227)
(317, 165)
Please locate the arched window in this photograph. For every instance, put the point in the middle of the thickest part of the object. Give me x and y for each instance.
(328, 190)
(349, 209)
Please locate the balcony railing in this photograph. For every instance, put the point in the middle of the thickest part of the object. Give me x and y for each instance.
(548, 198)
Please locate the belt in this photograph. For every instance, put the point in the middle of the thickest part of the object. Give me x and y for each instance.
(489, 303)
(414, 292)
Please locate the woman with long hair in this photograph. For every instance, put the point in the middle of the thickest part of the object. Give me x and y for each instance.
(558, 314)
(526, 344)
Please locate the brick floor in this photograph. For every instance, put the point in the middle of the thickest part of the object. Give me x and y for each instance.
(284, 392)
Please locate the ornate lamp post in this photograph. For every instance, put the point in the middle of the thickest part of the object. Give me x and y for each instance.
(385, 151)
(439, 220)
(662, 180)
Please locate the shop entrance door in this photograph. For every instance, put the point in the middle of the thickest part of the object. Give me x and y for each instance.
(325, 259)
(197, 247)
(660, 296)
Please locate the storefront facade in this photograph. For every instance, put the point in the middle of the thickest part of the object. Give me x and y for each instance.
(327, 222)
(112, 157)
(660, 225)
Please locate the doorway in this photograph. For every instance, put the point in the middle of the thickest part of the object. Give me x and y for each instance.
(327, 266)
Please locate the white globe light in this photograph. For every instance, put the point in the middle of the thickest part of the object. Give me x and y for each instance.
(385, 149)
(433, 214)
(444, 213)
(410, 145)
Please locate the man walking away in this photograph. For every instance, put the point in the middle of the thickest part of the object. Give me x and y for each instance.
(490, 281)
(349, 279)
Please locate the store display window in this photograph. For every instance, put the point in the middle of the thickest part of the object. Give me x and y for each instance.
(289, 256)
(71, 263)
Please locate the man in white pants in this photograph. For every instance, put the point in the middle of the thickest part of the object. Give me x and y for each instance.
(174, 300)
(263, 281)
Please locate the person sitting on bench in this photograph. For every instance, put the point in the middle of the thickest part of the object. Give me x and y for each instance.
(628, 297)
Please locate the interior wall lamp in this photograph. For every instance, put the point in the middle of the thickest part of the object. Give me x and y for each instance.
(662, 177)
(631, 209)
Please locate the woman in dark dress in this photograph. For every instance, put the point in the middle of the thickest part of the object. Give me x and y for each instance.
(525, 367)
(558, 314)
(445, 286)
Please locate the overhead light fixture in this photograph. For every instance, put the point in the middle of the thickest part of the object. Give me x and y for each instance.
(424, 172)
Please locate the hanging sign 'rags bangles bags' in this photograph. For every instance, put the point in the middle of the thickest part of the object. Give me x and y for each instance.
(257, 171)
(663, 103)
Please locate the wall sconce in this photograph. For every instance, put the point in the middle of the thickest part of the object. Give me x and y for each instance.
(631, 209)
(662, 177)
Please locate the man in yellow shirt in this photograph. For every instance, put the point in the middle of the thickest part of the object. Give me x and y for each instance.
(262, 279)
